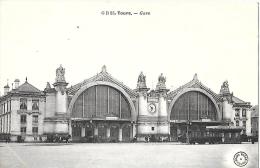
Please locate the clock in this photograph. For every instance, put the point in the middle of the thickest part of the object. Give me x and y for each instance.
(151, 108)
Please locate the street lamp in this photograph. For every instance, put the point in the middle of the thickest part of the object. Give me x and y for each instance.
(187, 133)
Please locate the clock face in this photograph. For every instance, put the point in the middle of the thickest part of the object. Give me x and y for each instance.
(151, 108)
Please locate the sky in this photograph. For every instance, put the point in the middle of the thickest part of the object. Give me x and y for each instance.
(215, 39)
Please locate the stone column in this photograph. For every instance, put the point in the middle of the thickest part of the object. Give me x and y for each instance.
(70, 128)
(133, 131)
(142, 99)
(29, 124)
(96, 131)
(226, 109)
(142, 112)
(120, 134)
(178, 129)
(82, 131)
(248, 122)
(108, 132)
(61, 101)
(163, 127)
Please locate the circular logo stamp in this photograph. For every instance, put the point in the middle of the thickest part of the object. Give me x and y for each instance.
(240, 159)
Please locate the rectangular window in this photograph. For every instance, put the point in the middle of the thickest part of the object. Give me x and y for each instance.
(152, 128)
(237, 123)
(4, 107)
(35, 104)
(76, 131)
(35, 119)
(35, 130)
(23, 104)
(237, 114)
(1, 109)
(244, 113)
(244, 123)
(23, 130)
(23, 118)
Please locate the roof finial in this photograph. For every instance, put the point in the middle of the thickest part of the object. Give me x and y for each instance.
(195, 77)
(26, 79)
(104, 68)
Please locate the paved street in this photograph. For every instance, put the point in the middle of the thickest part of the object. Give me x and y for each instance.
(134, 155)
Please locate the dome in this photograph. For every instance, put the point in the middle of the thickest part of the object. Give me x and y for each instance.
(6, 86)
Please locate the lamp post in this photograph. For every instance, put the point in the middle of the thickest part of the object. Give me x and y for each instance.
(187, 133)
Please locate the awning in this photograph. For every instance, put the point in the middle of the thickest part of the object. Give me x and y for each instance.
(223, 127)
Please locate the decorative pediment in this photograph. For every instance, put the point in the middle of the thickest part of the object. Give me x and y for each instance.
(102, 76)
(194, 83)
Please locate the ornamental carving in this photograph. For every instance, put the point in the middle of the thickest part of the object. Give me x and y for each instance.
(161, 79)
(62, 89)
(161, 83)
(60, 74)
(141, 82)
(141, 78)
(224, 87)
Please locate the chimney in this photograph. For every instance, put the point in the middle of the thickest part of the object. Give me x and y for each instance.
(16, 83)
(6, 89)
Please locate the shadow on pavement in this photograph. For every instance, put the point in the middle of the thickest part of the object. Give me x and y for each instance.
(47, 144)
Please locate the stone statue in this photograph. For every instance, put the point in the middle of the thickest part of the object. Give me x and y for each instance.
(60, 72)
(161, 83)
(225, 88)
(141, 82)
(225, 84)
(141, 78)
(161, 79)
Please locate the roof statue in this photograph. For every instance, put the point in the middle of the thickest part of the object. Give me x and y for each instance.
(161, 82)
(225, 84)
(141, 77)
(224, 88)
(60, 72)
(161, 79)
(141, 81)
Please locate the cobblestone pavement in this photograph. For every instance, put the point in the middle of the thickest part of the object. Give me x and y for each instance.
(124, 155)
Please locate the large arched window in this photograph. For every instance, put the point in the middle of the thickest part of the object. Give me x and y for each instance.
(193, 105)
(100, 101)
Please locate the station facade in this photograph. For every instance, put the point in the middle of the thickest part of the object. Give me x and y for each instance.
(104, 109)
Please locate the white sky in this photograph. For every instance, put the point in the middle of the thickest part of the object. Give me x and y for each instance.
(216, 39)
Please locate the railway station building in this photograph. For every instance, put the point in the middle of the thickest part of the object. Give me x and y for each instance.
(103, 108)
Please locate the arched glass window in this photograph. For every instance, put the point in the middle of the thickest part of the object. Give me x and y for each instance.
(101, 101)
(193, 105)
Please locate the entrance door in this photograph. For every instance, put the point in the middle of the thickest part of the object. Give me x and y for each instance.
(126, 133)
(173, 132)
(102, 133)
(114, 133)
(89, 132)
